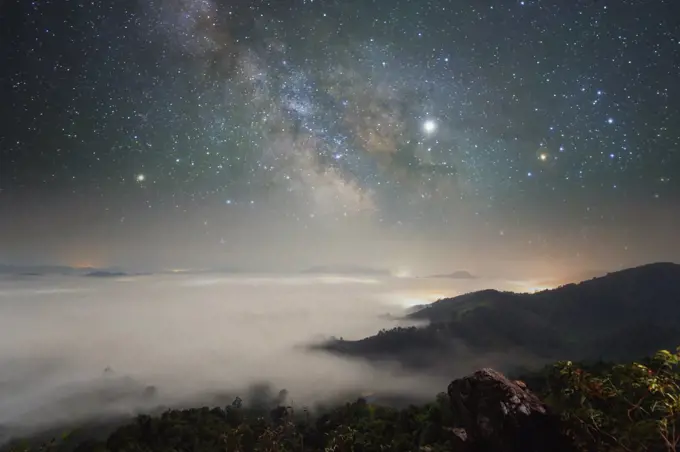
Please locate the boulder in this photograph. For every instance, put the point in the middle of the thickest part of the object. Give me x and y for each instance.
(494, 414)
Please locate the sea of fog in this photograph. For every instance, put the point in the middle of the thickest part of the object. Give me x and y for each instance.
(191, 337)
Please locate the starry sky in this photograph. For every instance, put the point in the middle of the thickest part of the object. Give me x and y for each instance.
(431, 135)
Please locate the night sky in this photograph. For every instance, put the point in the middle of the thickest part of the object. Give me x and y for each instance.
(432, 135)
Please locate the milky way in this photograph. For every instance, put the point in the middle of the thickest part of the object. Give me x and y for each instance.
(419, 115)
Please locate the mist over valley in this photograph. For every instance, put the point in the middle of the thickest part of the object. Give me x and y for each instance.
(76, 348)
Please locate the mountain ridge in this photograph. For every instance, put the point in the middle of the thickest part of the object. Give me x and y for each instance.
(573, 320)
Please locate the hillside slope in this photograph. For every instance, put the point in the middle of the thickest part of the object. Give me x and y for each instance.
(621, 315)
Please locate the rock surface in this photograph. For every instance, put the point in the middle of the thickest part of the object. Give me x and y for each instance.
(495, 414)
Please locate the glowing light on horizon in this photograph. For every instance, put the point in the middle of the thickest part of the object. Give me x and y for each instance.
(537, 289)
(411, 302)
(529, 286)
(410, 299)
(403, 273)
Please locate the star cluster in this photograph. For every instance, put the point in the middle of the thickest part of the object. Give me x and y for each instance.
(400, 111)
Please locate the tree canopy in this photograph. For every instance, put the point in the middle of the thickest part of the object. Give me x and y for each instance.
(601, 407)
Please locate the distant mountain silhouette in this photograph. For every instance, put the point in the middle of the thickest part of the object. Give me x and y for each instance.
(62, 270)
(207, 270)
(460, 274)
(346, 270)
(622, 315)
(36, 270)
(105, 274)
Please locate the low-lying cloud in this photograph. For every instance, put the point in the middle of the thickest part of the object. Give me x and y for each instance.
(190, 336)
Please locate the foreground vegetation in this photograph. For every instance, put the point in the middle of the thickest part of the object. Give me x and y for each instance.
(625, 407)
(601, 407)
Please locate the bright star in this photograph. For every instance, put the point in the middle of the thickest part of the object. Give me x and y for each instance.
(429, 126)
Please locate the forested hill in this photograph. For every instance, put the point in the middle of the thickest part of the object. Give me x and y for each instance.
(621, 315)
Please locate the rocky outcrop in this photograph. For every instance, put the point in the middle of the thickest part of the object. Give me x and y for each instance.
(495, 414)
